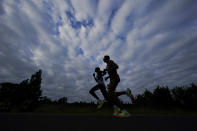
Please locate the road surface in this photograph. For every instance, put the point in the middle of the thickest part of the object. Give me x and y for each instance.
(54, 122)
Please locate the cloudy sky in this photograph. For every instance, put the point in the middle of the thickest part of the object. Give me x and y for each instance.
(153, 42)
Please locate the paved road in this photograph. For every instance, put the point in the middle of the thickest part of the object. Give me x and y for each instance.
(47, 122)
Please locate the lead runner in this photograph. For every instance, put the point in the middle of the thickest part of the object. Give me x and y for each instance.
(111, 69)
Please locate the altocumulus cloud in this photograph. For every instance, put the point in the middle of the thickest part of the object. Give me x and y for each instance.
(153, 41)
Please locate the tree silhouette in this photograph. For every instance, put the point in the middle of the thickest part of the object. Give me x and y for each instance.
(145, 99)
(62, 100)
(178, 94)
(7, 95)
(190, 96)
(34, 89)
(162, 96)
(24, 95)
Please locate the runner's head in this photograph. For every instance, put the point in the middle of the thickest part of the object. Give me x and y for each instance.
(97, 69)
(106, 58)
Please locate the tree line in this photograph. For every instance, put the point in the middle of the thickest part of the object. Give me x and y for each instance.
(27, 96)
(180, 96)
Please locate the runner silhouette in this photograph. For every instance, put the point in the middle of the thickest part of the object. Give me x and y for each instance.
(111, 69)
(101, 86)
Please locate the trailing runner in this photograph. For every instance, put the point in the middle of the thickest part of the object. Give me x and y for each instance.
(100, 86)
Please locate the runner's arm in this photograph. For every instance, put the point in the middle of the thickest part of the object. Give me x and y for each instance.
(106, 77)
(104, 72)
(95, 77)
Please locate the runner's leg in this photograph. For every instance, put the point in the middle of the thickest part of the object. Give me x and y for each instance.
(104, 92)
(112, 94)
(92, 91)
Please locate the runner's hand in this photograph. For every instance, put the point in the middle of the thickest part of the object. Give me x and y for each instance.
(107, 87)
(94, 74)
(106, 78)
(105, 70)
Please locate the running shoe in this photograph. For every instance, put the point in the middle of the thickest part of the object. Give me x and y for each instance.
(100, 104)
(129, 94)
(116, 111)
(123, 114)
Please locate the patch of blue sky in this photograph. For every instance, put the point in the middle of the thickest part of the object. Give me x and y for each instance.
(60, 18)
(77, 24)
(127, 27)
(92, 58)
(79, 51)
(59, 23)
(47, 6)
(88, 22)
(111, 16)
(121, 37)
(70, 5)
(72, 20)
(48, 18)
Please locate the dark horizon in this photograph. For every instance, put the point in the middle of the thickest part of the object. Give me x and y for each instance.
(30, 90)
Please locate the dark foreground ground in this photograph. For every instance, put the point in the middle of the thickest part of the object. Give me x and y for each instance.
(57, 122)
